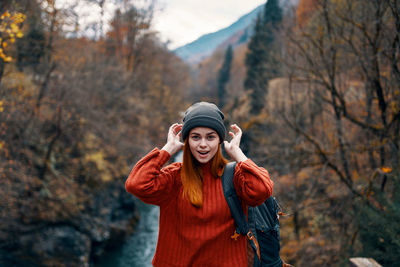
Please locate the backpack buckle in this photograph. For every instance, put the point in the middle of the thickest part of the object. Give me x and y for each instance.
(235, 235)
(250, 235)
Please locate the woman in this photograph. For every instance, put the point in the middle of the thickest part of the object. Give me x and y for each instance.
(195, 222)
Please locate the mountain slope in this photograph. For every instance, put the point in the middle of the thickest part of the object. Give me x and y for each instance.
(197, 50)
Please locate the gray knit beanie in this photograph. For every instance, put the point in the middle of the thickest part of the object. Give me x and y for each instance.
(204, 114)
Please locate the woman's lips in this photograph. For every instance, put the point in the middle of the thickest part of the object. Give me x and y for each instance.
(203, 153)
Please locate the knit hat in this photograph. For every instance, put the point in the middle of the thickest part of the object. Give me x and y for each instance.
(204, 114)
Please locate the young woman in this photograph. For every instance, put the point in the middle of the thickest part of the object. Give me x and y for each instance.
(195, 222)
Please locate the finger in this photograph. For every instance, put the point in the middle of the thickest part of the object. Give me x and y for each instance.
(238, 132)
(173, 126)
(233, 128)
(176, 128)
(179, 130)
(239, 129)
(235, 135)
(171, 129)
(236, 128)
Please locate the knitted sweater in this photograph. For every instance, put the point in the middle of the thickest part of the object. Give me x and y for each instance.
(190, 236)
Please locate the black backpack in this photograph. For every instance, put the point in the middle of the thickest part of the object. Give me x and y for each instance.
(262, 228)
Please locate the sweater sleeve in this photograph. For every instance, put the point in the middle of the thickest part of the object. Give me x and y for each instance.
(149, 181)
(252, 183)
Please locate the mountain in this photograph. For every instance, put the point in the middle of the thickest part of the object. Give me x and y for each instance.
(238, 32)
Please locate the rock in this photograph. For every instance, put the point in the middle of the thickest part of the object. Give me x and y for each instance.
(121, 220)
(56, 246)
(107, 221)
(364, 262)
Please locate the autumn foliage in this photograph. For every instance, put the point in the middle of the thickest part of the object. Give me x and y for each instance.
(329, 131)
(10, 30)
(76, 113)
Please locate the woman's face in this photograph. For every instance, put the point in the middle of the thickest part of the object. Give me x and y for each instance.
(203, 143)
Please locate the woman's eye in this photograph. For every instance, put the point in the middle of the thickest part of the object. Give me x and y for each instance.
(211, 137)
(195, 137)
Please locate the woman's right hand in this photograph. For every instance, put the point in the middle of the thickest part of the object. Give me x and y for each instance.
(173, 144)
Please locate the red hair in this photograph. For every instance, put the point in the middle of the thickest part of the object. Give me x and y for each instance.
(192, 177)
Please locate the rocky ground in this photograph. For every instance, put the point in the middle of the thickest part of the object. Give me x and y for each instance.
(105, 224)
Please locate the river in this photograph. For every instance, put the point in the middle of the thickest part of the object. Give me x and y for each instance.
(138, 250)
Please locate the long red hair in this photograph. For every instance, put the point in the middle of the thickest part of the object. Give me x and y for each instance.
(192, 177)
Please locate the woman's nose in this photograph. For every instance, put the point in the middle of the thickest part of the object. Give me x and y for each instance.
(203, 142)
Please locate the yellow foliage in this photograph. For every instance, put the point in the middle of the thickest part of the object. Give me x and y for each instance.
(10, 28)
(98, 159)
(5, 14)
(91, 141)
(1, 108)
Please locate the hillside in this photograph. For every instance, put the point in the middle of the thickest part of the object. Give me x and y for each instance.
(204, 46)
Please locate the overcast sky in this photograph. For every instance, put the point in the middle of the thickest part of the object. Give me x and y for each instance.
(179, 21)
(183, 21)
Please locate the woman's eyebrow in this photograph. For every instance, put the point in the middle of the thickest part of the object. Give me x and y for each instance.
(209, 133)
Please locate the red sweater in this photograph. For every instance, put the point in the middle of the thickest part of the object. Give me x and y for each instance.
(190, 236)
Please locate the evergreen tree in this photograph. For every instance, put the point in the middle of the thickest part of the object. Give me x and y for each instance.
(272, 21)
(256, 80)
(224, 76)
(377, 228)
(260, 63)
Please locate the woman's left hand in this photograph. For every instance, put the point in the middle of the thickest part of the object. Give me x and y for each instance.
(233, 147)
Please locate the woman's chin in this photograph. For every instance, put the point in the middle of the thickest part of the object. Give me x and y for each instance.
(203, 160)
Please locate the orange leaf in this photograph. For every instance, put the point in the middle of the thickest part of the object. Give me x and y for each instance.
(386, 169)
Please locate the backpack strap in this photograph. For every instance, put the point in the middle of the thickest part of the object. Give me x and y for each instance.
(232, 199)
(242, 227)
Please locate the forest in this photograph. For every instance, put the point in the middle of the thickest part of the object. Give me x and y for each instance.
(316, 91)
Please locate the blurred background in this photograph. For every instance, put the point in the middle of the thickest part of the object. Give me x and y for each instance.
(89, 87)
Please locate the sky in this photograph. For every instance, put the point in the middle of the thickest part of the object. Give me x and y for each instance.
(183, 21)
(178, 21)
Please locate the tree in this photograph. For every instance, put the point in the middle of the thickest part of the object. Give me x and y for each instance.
(127, 30)
(32, 47)
(260, 62)
(10, 29)
(71, 127)
(224, 76)
(342, 65)
(377, 224)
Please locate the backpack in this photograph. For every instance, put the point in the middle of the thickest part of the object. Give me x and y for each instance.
(262, 227)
